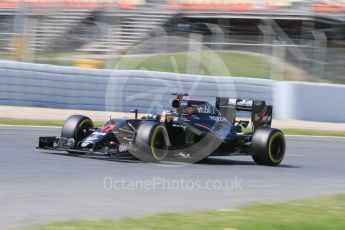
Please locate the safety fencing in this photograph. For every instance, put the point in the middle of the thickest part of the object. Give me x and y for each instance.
(115, 90)
(26, 84)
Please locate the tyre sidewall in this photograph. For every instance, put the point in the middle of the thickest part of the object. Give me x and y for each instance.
(74, 126)
(144, 141)
(262, 146)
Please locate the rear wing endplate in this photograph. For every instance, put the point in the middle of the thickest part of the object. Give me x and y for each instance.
(261, 114)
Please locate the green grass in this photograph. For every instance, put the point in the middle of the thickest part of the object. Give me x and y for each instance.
(314, 132)
(16, 121)
(312, 214)
(219, 63)
(206, 62)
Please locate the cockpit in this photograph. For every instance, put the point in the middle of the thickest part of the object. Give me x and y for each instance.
(193, 107)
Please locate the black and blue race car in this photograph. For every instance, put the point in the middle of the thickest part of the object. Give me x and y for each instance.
(190, 131)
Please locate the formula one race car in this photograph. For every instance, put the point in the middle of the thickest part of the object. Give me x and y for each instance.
(191, 131)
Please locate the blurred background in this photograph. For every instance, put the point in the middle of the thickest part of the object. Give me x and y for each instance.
(279, 39)
(294, 42)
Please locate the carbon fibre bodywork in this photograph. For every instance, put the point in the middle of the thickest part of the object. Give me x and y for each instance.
(192, 127)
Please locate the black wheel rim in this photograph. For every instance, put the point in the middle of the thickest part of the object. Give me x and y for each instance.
(82, 130)
(159, 147)
(277, 148)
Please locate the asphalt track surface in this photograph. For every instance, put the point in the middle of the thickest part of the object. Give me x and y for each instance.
(38, 187)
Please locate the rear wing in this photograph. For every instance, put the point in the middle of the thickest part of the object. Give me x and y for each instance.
(261, 114)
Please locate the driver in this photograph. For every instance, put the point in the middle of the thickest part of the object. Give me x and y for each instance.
(167, 115)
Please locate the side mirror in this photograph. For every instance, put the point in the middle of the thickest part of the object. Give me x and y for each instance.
(135, 111)
(175, 103)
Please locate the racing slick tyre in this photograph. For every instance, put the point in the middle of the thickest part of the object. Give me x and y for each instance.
(268, 147)
(76, 127)
(152, 142)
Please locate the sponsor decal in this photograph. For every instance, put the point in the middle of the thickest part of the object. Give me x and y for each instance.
(216, 118)
(232, 101)
(245, 103)
(94, 136)
(122, 148)
(184, 103)
(184, 119)
(258, 103)
(205, 109)
(97, 134)
(263, 117)
(86, 143)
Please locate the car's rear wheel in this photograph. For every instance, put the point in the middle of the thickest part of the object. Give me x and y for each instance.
(76, 127)
(268, 146)
(152, 142)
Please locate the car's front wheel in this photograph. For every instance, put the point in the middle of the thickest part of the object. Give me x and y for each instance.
(268, 146)
(76, 127)
(152, 142)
